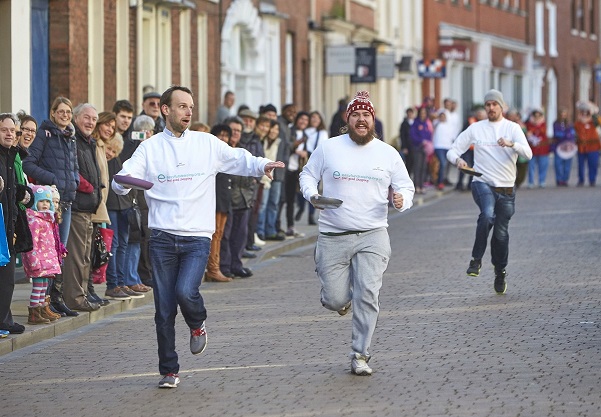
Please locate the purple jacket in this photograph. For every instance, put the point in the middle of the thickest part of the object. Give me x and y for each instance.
(420, 131)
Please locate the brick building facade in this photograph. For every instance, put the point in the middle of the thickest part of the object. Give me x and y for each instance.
(540, 53)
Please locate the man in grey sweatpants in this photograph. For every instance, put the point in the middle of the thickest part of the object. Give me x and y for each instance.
(353, 247)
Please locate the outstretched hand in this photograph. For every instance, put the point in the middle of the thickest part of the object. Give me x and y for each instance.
(271, 166)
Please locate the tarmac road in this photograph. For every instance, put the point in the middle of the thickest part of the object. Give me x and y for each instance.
(446, 344)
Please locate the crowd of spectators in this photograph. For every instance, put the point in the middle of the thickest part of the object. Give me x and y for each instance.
(78, 149)
(427, 133)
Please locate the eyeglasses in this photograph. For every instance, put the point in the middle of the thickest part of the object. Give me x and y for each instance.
(63, 112)
(236, 130)
(18, 133)
(153, 104)
(28, 130)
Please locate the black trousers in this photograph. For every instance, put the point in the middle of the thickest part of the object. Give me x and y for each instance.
(7, 287)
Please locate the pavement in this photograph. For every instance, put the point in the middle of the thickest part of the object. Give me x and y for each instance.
(37, 333)
(445, 345)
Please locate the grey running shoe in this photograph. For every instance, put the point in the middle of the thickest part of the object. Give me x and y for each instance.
(169, 381)
(359, 365)
(344, 310)
(474, 269)
(198, 340)
(500, 283)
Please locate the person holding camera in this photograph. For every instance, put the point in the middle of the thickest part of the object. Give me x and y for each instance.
(297, 160)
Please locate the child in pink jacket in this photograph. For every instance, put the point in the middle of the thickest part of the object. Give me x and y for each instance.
(44, 261)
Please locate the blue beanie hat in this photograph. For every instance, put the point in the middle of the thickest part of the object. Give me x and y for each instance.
(42, 192)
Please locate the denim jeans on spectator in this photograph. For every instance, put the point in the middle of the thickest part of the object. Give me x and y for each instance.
(132, 259)
(268, 210)
(562, 169)
(64, 227)
(588, 160)
(496, 210)
(178, 264)
(441, 154)
(542, 161)
(116, 270)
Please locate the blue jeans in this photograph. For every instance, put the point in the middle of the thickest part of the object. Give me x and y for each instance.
(441, 154)
(543, 165)
(591, 159)
(178, 263)
(496, 210)
(116, 270)
(65, 226)
(268, 210)
(132, 260)
(562, 169)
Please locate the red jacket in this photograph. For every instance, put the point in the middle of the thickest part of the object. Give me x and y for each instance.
(537, 138)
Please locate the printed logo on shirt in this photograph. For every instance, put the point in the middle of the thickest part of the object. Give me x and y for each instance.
(354, 177)
(162, 178)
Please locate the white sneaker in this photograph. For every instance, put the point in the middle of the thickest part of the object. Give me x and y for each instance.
(359, 365)
(258, 241)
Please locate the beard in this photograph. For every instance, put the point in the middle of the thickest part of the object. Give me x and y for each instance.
(361, 139)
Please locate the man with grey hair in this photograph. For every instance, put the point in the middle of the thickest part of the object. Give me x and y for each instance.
(76, 269)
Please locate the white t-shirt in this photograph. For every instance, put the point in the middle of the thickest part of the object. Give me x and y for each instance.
(182, 200)
(315, 137)
(359, 175)
(444, 134)
(497, 164)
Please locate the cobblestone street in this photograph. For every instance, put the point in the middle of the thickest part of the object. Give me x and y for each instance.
(446, 344)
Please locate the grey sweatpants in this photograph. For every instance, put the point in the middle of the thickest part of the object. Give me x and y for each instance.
(350, 267)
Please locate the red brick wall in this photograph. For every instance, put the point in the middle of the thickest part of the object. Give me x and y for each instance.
(574, 51)
(194, 58)
(133, 62)
(325, 8)
(361, 15)
(175, 48)
(110, 54)
(68, 27)
(297, 26)
(478, 17)
(212, 66)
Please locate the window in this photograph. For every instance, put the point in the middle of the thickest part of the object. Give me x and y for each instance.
(540, 27)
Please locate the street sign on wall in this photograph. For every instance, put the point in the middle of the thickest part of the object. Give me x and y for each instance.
(431, 68)
(340, 60)
(385, 65)
(365, 66)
